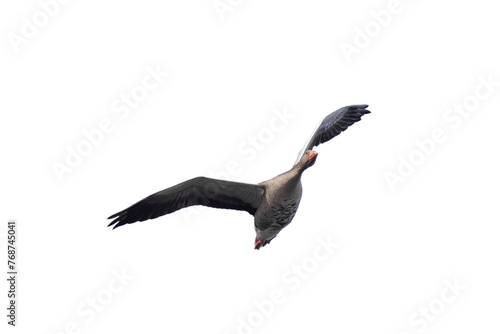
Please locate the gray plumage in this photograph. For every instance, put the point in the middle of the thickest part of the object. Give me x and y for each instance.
(333, 124)
(273, 203)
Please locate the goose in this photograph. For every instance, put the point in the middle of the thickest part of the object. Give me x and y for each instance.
(273, 203)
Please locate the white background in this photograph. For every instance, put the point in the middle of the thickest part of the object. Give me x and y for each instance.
(227, 75)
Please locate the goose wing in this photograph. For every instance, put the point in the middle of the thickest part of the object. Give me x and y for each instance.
(333, 124)
(198, 191)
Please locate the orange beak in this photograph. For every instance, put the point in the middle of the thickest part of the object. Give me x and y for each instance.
(312, 155)
(258, 243)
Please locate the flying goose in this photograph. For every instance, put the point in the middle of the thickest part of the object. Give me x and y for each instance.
(273, 203)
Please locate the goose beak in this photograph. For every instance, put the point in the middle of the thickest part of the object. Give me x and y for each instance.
(312, 155)
(258, 243)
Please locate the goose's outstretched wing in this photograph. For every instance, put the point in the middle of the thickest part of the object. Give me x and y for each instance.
(334, 124)
(198, 191)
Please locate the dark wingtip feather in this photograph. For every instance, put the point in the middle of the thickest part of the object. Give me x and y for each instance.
(113, 222)
(120, 219)
(117, 224)
(361, 108)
